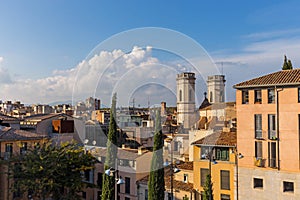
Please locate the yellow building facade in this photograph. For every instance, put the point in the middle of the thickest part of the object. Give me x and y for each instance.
(216, 154)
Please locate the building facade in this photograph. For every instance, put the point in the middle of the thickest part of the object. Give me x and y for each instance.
(216, 155)
(216, 88)
(268, 113)
(186, 110)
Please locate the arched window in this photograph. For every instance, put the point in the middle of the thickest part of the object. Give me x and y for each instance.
(180, 95)
(211, 97)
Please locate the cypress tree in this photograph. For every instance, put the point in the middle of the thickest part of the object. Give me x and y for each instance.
(287, 64)
(108, 186)
(156, 183)
(208, 188)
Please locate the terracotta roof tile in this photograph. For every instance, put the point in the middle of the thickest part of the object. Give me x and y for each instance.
(218, 138)
(131, 154)
(179, 185)
(281, 78)
(9, 134)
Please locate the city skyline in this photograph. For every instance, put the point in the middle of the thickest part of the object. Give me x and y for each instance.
(43, 44)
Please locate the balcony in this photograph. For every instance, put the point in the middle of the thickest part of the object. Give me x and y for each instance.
(259, 162)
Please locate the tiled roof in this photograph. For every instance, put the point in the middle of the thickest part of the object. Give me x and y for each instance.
(280, 78)
(178, 185)
(10, 134)
(218, 139)
(40, 117)
(185, 165)
(131, 154)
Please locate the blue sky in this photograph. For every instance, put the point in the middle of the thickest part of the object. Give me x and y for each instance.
(40, 37)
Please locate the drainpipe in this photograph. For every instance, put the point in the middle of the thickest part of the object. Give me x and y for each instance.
(277, 125)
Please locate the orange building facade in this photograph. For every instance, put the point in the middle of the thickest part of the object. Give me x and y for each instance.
(268, 125)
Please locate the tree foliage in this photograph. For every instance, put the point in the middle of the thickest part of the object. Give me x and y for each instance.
(208, 188)
(287, 64)
(156, 183)
(108, 186)
(52, 170)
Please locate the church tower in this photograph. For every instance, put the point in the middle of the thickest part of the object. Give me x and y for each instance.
(216, 88)
(186, 114)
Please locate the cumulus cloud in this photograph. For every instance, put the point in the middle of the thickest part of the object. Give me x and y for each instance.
(102, 74)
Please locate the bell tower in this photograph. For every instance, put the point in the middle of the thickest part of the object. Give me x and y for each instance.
(186, 108)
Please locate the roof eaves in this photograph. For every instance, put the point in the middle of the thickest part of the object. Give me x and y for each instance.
(266, 85)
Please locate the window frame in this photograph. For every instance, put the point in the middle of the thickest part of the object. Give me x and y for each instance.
(203, 174)
(286, 188)
(245, 96)
(258, 126)
(258, 185)
(271, 95)
(256, 99)
(225, 179)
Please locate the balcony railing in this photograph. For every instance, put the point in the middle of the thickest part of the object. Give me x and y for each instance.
(259, 162)
(272, 135)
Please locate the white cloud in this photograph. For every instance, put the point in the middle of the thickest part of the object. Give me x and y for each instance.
(98, 76)
(1, 59)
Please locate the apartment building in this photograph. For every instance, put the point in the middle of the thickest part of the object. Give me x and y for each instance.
(268, 113)
(216, 155)
(14, 142)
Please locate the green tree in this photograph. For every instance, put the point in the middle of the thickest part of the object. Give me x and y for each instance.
(156, 183)
(108, 186)
(52, 170)
(208, 188)
(287, 64)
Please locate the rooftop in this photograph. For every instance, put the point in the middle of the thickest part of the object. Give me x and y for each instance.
(178, 185)
(7, 118)
(218, 139)
(129, 154)
(280, 78)
(10, 134)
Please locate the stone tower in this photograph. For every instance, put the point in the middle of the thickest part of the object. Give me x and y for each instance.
(216, 88)
(186, 114)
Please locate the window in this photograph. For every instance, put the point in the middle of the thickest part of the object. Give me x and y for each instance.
(245, 97)
(23, 148)
(222, 153)
(221, 96)
(8, 150)
(175, 146)
(185, 178)
(84, 195)
(288, 186)
(204, 152)
(225, 180)
(180, 95)
(257, 96)
(88, 176)
(271, 96)
(210, 97)
(203, 175)
(258, 149)
(258, 183)
(272, 126)
(258, 126)
(190, 95)
(272, 154)
(100, 180)
(225, 197)
(127, 198)
(299, 95)
(127, 185)
(146, 194)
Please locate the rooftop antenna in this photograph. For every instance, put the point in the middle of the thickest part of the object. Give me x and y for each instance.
(222, 72)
